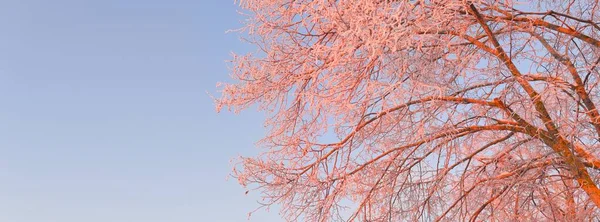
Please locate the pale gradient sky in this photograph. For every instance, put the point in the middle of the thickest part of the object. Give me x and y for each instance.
(105, 115)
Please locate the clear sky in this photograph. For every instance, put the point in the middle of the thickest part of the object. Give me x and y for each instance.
(105, 115)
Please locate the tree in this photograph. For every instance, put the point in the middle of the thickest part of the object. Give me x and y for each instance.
(442, 110)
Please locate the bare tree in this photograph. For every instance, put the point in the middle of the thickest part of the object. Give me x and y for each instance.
(443, 110)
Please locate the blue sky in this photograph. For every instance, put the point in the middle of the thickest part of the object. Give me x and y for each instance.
(105, 115)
